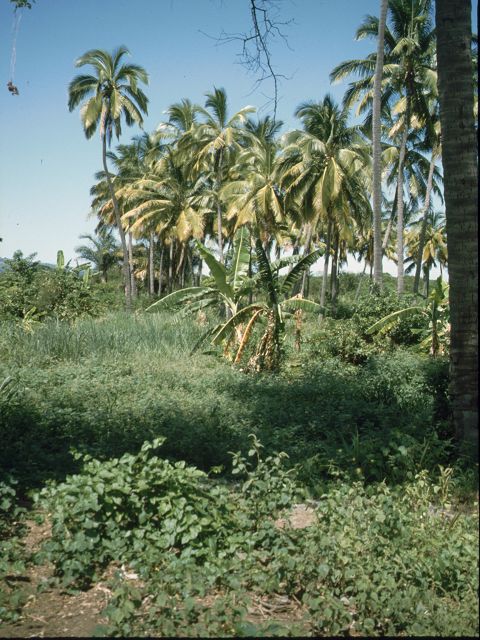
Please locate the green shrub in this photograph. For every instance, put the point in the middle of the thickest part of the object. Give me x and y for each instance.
(198, 556)
(12, 553)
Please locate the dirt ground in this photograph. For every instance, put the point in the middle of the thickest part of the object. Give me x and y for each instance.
(51, 612)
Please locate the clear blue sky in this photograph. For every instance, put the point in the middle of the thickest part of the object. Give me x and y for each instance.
(47, 166)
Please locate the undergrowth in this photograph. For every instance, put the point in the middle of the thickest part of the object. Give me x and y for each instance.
(195, 557)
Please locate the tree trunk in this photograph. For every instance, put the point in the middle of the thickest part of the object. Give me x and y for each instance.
(170, 268)
(388, 230)
(160, 270)
(334, 271)
(219, 209)
(133, 282)
(306, 251)
(423, 230)
(377, 151)
(456, 93)
(151, 270)
(400, 203)
(200, 267)
(360, 281)
(121, 233)
(325, 268)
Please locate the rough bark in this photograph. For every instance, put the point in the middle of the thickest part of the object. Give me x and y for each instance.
(151, 271)
(377, 158)
(400, 203)
(325, 268)
(133, 282)
(459, 145)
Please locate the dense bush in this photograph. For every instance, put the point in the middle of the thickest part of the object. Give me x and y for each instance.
(31, 291)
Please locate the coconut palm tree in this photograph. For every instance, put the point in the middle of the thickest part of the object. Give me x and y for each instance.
(216, 140)
(376, 148)
(460, 164)
(409, 60)
(321, 169)
(109, 94)
(102, 252)
(252, 195)
(431, 241)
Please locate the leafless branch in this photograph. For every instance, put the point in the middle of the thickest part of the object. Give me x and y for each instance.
(256, 55)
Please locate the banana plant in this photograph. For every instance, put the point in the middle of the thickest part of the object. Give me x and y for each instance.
(227, 285)
(436, 310)
(275, 307)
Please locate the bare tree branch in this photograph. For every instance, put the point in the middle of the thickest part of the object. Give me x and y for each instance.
(256, 55)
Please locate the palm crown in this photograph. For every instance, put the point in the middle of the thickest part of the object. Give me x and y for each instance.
(110, 92)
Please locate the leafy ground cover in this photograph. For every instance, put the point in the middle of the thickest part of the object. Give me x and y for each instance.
(188, 556)
(126, 438)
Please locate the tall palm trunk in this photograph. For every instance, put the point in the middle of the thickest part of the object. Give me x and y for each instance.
(423, 230)
(219, 207)
(170, 267)
(454, 32)
(377, 158)
(133, 282)
(306, 251)
(151, 270)
(400, 202)
(334, 271)
(160, 270)
(325, 268)
(121, 233)
(388, 230)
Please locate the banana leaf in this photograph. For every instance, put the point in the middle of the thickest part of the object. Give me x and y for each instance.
(297, 271)
(217, 269)
(178, 297)
(390, 319)
(235, 321)
(241, 257)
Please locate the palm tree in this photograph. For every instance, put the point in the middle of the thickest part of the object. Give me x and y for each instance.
(216, 140)
(321, 169)
(171, 203)
(409, 58)
(252, 195)
(102, 252)
(109, 94)
(376, 150)
(459, 144)
(430, 242)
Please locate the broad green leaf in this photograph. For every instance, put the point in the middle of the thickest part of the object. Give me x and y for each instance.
(217, 269)
(179, 297)
(390, 319)
(297, 271)
(234, 321)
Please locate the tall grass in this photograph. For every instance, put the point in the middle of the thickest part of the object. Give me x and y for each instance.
(115, 334)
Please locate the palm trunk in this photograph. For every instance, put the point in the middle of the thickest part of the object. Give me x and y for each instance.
(200, 267)
(219, 209)
(151, 270)
(325, 268)
(423, 231)
(453, 27)
(160, 270)
(130, 263)
(360, 281)
(121, 233)
(377, 159)
(334, 271)
(388, 230)
(400, 203)
(170, 268)
(306, 251)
